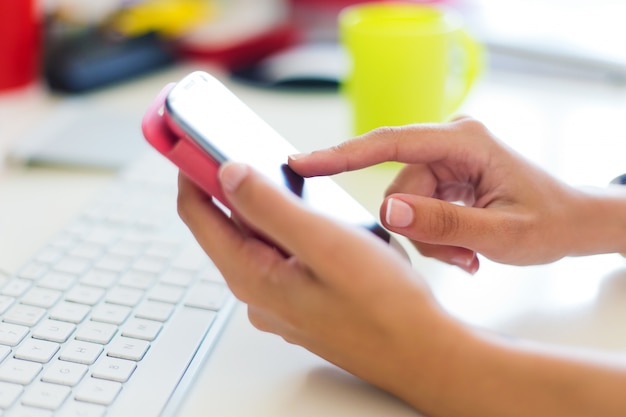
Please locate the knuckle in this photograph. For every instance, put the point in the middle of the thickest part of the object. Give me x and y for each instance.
(471, 124)
(474, 130)
(385, 131)
(258, 320)
(444, 221)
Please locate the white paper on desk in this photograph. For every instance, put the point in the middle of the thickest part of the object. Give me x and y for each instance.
(83, 134)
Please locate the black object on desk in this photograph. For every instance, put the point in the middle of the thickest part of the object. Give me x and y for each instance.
(95, 59)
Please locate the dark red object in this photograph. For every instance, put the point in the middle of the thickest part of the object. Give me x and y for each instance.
(20, 43)
(246, 52)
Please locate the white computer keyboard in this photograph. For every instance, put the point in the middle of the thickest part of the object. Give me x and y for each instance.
(115, 314)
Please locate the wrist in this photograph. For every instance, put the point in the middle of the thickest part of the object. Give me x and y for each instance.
(599, 221)
(436, 375)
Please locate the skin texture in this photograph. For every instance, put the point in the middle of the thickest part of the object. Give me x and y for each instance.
(345, 295)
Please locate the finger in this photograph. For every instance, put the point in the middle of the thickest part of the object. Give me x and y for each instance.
(198, 212)
(418, 143)
(238, 257)
(322, 244)
(463, 258)
(413, 179)
(438, 222)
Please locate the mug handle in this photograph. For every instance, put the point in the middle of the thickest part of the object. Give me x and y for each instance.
(474, 63)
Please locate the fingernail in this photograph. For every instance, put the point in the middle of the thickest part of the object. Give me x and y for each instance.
(466, 264)
(399, 213)
(296, 156)
(231, 174)
(462, 261)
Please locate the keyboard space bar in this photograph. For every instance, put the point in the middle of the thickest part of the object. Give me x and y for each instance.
(159, 374)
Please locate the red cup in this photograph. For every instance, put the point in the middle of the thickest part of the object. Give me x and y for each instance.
(20, 43)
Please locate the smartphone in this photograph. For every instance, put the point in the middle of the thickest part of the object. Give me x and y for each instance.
(199, 124)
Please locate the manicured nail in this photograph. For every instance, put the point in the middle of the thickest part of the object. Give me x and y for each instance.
(466, 263)
(462, 261)
(296, 156)
(231, 174)
(398, 213)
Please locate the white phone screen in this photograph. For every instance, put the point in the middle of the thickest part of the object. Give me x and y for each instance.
(228, 130)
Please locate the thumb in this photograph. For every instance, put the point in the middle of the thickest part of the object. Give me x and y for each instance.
(438, 222)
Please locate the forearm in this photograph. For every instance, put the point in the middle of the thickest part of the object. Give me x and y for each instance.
(492, 377)
(521, 380)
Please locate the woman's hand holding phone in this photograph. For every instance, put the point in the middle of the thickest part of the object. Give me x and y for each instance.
(344, 294)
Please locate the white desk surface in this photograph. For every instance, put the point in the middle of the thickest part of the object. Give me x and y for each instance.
(573, 128)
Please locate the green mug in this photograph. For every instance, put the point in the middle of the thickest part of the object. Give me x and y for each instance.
(409, 63)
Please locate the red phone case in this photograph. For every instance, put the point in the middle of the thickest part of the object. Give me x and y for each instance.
(176, 146)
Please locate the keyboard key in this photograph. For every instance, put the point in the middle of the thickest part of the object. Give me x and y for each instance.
(48, 255)
(162, 249)
(24, 315)
(25, 411)
(69, 312)
(57, 281)
(5, 302)
(54, 331)
(124, 296)
(180, 277)
(191, 258)
(8, 394)
(138, 279)
(127, 348)
(36, 350)
(81, 409)
(11, 334)
(98, 391)
(102, 235)
(128, 247)
(154, 310)
(166, 293)
(64, 373)
(110, 313)
(87, 251)
(35, 270)
(211, 273)
(4, 352)
(151, 264)
(41, 297)
(207, 295)
(141, 329)
(96, 332)
(114, 369)
(72, 265)
(44, 395)
(81, 352)
(64, 241)
(19, 371)
(83, 294)
(99, 278)
(114, 263)
(16, 287)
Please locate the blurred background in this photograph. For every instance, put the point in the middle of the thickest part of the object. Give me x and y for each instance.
(66, 49)
(82, 45)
